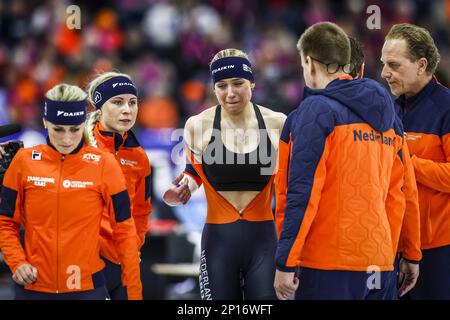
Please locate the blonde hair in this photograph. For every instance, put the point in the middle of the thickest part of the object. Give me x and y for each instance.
(230, 52)
(95, 116)
(66, 92)
(99, 79)
(88, 134)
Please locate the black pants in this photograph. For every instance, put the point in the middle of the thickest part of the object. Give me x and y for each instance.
(94, 294)
(344, 285)
(113, 277)
(434, 278)
(99, 292)
(237, 261)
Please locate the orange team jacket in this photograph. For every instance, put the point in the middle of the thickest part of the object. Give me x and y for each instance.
(219, 210)
(336, 194)
(426, 120)
(60, 200)
(405, 227)
(136, 169)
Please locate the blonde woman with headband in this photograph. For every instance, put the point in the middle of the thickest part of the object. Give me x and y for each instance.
(114, 96)
(232, 148)
(58, 192)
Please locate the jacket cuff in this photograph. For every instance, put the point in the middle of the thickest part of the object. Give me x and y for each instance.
(411, 261)
(195, 177)
(17, 265)
(286, 269)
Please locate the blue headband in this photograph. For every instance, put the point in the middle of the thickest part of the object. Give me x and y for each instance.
(65, 113)
(111, 88)
(231, 67)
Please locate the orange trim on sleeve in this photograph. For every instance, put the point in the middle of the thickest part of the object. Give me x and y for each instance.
(281, 179)
(409, 242)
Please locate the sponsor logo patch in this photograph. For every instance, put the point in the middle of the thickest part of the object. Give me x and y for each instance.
(91, 157)
(69, 114)
(412, 138)
(126, 162)
(40, 181)
(246, 68)
(231, 66)
(76, 184)
(36, 155)
(97, 97)
(120, 84)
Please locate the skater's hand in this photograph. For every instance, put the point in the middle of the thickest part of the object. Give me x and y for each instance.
(285, 284)
(179, 194)
(407, 275)
(25, 274)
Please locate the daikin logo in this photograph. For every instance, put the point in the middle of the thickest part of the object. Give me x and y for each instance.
(231, 66)
(120, 84)
(69, 114)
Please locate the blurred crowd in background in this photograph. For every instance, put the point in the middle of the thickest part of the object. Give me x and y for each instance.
(166, 46)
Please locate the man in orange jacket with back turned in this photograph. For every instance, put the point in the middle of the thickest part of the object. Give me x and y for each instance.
(405, 229)
(341, 188)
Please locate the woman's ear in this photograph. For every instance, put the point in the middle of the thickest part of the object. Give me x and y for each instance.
(252, 85)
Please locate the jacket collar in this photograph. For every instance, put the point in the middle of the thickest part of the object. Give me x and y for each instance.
(75, 151)
(307, 91)
(408, 103)
(112, 140)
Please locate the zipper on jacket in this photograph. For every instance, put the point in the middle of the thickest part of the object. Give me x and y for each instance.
(57, 223)
(403, 111)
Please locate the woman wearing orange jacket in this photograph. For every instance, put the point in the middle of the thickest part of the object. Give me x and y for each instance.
(114, 96)
(58, 192)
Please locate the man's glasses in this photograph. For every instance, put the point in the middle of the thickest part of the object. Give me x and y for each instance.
(334, 67)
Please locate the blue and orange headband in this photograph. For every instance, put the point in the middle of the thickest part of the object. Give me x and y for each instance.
(231, 67)
(112, 87)
(64, 112)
